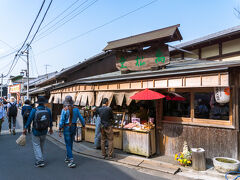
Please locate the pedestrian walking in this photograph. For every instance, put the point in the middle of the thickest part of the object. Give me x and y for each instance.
(106, 117)
(67, 124)
(41, 117)
(2, 114)
(12, 111)
(26, 110)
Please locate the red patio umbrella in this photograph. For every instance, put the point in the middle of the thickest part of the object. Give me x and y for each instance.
(147, 95)
(175, 97)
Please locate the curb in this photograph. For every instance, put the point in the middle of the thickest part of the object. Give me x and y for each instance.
(150, 164)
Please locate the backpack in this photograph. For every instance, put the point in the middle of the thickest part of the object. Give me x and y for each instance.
(41, 120)
(26, 113)
(13, 109)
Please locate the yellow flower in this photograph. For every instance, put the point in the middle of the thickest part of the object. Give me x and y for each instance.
(189, 162)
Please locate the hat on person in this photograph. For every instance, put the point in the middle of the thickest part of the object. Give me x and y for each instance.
(68, 101)
(12, 99)
(41, 100)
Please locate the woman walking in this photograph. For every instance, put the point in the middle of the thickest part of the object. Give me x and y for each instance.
(2, 114)
(68, 122)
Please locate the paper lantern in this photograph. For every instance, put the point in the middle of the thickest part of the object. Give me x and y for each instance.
(222, 94)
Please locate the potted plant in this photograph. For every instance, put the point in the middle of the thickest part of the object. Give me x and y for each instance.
(184, 158)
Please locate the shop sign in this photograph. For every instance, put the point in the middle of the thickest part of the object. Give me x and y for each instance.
(15, 88)
(143, 60)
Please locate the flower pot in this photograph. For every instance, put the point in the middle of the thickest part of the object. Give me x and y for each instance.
(224, 164)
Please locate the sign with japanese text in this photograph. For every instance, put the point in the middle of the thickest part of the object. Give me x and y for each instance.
(15, 88)
(143, 60)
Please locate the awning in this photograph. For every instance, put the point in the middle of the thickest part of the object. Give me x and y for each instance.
(91, 98)
(73, 95)
(84, 99)
(102, 95)
(99, 98)
(119, 98)
(78, 99)
(108, 95)
(57, 99)
(128, 95)
(51, 98)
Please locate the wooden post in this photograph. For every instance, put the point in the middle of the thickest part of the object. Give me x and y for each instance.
(198, 159)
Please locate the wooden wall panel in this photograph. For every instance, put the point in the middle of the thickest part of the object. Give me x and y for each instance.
(136, 85)
(124, 86)
(215, 141)
(103, 87)
(193, 82)
(148, 84)
(89, 88)
(175, 83)
(210, 81)
(210, 51)
(231, 46)
(113, 86)
(224, 80)
(161, 83)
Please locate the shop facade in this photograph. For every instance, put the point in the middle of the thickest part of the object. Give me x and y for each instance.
(201, 104)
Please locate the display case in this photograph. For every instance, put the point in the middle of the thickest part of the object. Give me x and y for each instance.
(119, 118)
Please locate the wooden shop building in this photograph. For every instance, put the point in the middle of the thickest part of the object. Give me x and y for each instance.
(199, 79)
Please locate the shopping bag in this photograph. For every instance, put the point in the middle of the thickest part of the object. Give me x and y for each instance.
(21, 140)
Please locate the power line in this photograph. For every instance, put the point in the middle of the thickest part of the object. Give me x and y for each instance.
(12, 65)
(4, 56)
(98, 27)
(41, 22)
(32, 26)
(34, 60)
(58, 15)
(65, 21)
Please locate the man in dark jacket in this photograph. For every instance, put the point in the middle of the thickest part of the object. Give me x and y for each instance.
(26, 110)
(106, 116)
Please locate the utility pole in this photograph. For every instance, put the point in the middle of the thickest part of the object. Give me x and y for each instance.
(27, 52)
(46, 66)
(27, 72)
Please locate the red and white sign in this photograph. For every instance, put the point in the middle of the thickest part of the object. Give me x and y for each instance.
(15, 88)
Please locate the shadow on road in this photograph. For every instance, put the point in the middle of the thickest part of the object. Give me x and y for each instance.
(18, 163)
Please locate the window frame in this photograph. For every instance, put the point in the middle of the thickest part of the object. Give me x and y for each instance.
(198, 121)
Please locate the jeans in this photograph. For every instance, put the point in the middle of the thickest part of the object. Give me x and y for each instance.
(97, 139)
(69, 133)
(10, 120)
(38, 143)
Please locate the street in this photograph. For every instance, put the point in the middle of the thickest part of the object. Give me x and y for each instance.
(18, 163)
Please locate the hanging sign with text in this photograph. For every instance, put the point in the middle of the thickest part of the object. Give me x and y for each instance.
(15, 88)
(144, 59)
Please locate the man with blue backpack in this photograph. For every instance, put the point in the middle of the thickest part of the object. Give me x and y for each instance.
(41, 117)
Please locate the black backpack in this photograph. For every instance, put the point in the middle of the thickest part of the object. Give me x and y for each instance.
(41, 120)
(13, 109)
(26, 113)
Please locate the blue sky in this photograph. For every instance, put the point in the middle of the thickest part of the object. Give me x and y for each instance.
(197, 18)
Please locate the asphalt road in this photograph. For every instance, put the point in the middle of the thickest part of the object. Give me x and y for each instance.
(18, 163)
